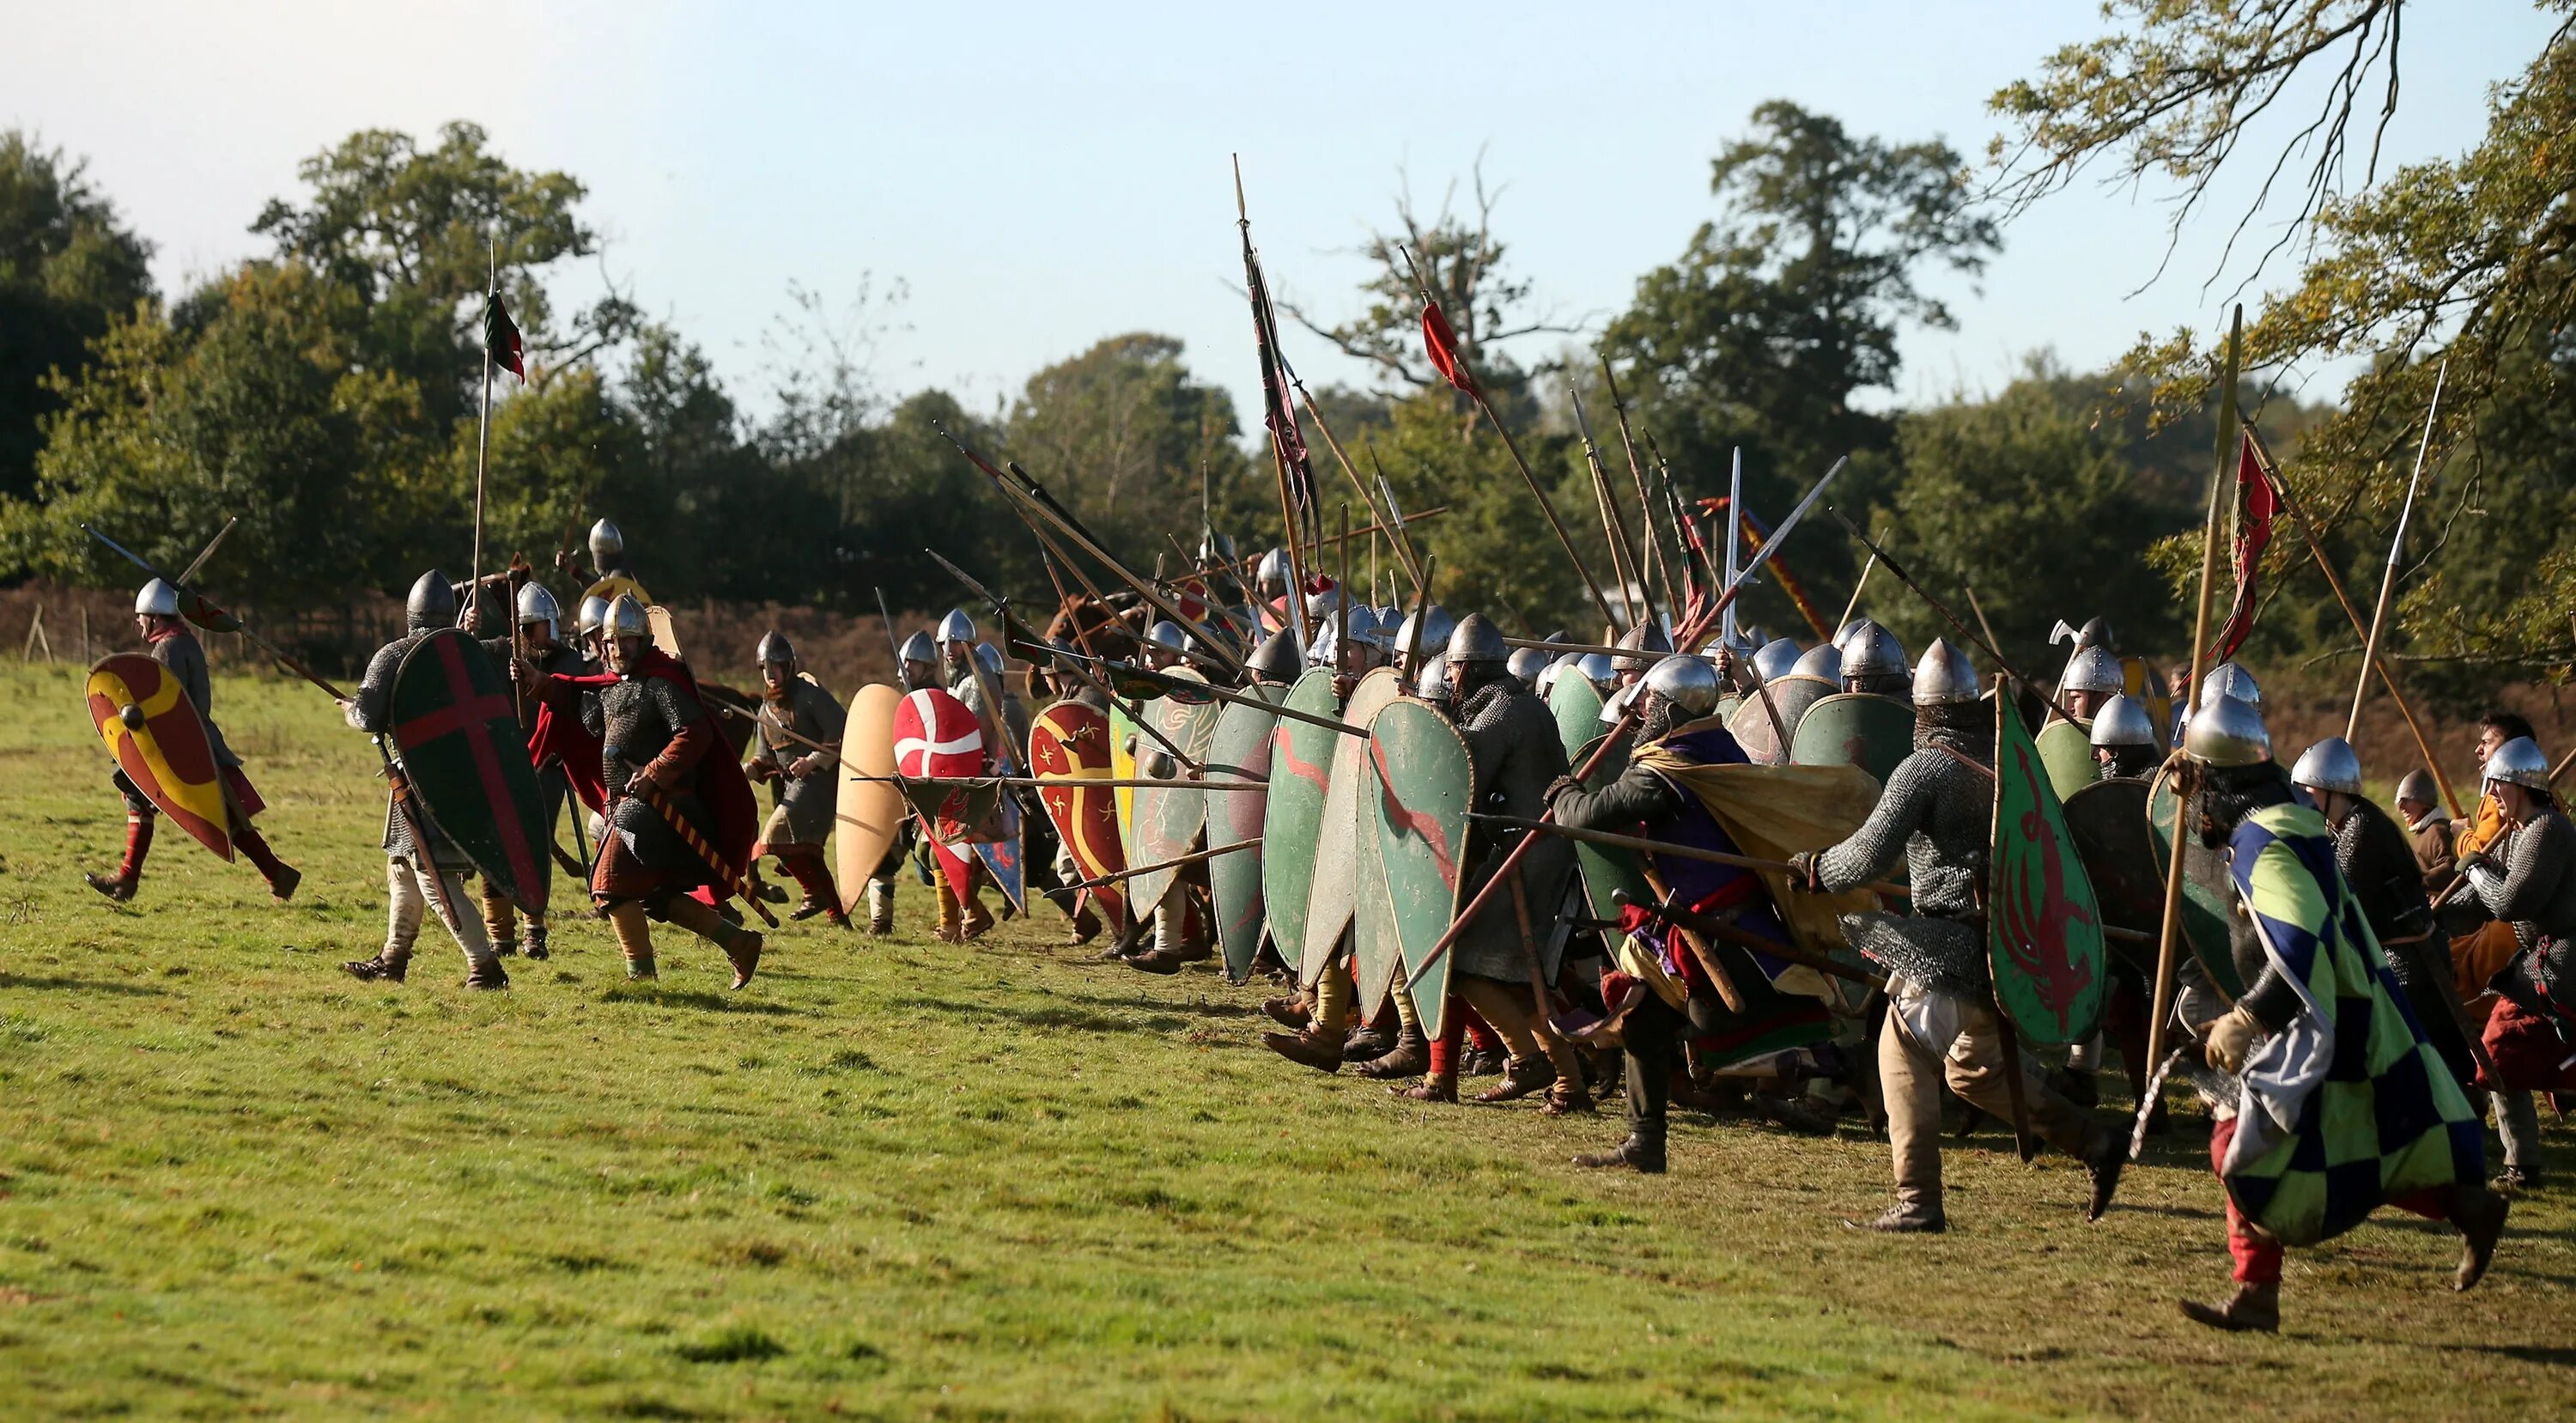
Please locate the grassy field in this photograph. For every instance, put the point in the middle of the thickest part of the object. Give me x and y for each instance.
(898, 1178)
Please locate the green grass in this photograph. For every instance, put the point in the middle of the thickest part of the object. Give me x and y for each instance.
(898, 1178)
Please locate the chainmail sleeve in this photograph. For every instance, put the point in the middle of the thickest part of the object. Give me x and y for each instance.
(1903, 811)
(2539, 883)
(372, 709)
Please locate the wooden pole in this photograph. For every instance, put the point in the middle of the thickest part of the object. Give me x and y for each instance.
(483, 431)
(2396, 547)
(1412, 569)
(2187, 782)
(1658, 557)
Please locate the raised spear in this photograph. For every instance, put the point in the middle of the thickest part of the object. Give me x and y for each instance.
(2396, 546)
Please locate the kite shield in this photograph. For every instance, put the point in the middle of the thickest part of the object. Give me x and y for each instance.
(1239, 754)
(1421, 784)
(2044, 936)
(1068, 745)
(1853, 729)
(153, 731)
(1333, 899)
(2066, 750)
(467, 760)
(1751, 725)
(1301, 768)
(867, 810)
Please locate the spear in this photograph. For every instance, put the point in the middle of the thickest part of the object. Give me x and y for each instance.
(1982, 644)
(204, 613)
(209, 551)
(1185, 688)
(1734, 530)
(1411, 569)
(2159, 1007)
(1658, 557)
(1192, 858)
(483, 426)
(2396, 546)
(1475, 391)
(1614, 530)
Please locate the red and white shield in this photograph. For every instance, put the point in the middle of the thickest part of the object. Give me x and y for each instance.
(937, 735)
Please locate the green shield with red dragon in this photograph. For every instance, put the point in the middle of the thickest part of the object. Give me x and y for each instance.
(2044, 936)
(1421, 784)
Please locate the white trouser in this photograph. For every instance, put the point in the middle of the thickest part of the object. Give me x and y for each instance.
(408, 894)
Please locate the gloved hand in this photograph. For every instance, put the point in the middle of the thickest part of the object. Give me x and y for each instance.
(2228, 1039)
(2478, 860)
(1802, 870)
(1559, 787)
(1633, 917)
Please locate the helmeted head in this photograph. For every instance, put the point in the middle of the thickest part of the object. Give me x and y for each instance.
(1776, 659)
(988, 659)
(2518, 762)
(1594, 667)
(628, 632)
(431, 604)
(538, 609)
(1476, 654)
(157, 600)
(1871, 652)
(2226, 733)
(2094, 670)
(2229, 680)
(1557, 667)
(2416, 788)
(1164, 644)
(1274, 661)
(2096, 632)
(1433, 626)
(1822, 660)
(1433, 683)
(592, 618)
(920, 660)
(607, 545)
(2124, 737)
(2330, 765)
(1944, 677)
(1526, 664)
(1689, 685)
(1271, 579)
(777, 659)
(1641, 645)
(954, 629)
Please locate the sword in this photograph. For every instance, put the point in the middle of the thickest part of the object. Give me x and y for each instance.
(1185, 688)
(1734, 531)
(2154, 1093)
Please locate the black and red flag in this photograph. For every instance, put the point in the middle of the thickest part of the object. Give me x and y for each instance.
(501, 338)
(2258, 503)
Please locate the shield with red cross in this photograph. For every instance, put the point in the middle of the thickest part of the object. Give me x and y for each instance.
(937, 735)
(457, 726)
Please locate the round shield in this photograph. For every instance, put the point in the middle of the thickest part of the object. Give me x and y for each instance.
(1239, 754)
(1766, 742)
(1872, 732)
(1068, 745)
(868, 810)
(2067, 751)
(936, 735)
(163, 748)
(1168, 818)
(1301, 770)
(2109, 822)
(1421, 784)
(1334, 896)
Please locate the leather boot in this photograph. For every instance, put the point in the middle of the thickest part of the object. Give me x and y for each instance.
(1410, 1056)
(1429, 1089)
(1366, 1044)
(1568, 1098)
(1158, 961)
(1307, 1049)
(1520, 1079)
(1086, 927)
(880, 907)
(807, 908)
(2255, 1308)
(2104, 1163)
(2479, 1213)
(383, 968)
(281, 885)
(1642, 1152)
(532, 942)
(742, 950)
(488, 976)
(1484, 1062)
(1289, 1013)
(1905, 1218)
(115, 887)
(978, 918)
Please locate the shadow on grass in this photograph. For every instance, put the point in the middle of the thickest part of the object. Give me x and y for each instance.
(1203, 1008)
(1081, 1020)
(83, 985)
(653, 996)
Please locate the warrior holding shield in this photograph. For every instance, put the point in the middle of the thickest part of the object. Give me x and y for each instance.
(797, 715)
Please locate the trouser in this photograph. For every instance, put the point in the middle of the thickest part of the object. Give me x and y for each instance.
(410, 893)
(2258, 1258)
(1651, 1046)
(1515, 1018)
(1334, 992)
(1911, 1075)
(812, 873)
(500, 915)
(2518, 1123)
(635, 932)
(1464, 1024)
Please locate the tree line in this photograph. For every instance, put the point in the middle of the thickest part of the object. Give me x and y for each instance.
(326, 392)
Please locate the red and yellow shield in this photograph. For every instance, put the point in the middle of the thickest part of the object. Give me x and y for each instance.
(1068, 745)
(152, 730)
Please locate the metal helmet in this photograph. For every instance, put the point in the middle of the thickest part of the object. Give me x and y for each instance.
(2123, 721)
(1872, 651)
(158, 599)
(1643, 639)
(606, 542)
(1689, 683)
(593, 616)
(627, 618)
(989, 657)
(1942, 678)
(956, 627)
(2096, 632)
(2092, 669)
(2229, 680)
(1545, 683)
(2227, 731)
(536, 605)
(1822, 660)
(1365, 626)
(431, 604)
(1776, 659)
(1476, 639)
(1751, 635)
(1215, 548)
(2330, 765)
(1437, 628)
(1272, 577)
(1168, 634)
(1275, 660)
(1595, 668)
(1614, 708)
(2418, 785)
(1433, 682)
(920, 648)
(1526, 663)
(1321, 604)
(2519, 763)
(774, 647)
(1390, 618)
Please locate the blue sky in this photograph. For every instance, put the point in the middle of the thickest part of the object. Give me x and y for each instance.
(1040, 176)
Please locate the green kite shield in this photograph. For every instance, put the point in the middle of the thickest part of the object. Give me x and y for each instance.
(1422, 783)
(2109, 822)
(468, 761)
(2208, 892)
(2067, 751)
(1239, 753)
(2043, 928)
(1168, 818)
(1854, 729)
(1607, 870)
(1753, 729)
(1576, 704)
(1301, 769)
(1333, 899)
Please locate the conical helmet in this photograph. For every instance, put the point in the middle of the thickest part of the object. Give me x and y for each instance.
(1944, 676)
